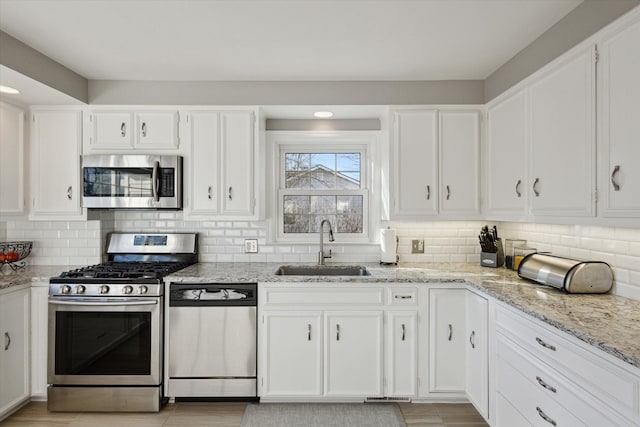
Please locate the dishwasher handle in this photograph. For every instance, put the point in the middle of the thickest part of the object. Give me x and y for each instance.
(213, 294)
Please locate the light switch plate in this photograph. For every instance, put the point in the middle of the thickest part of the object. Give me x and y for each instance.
(417, 246)
(251, 246)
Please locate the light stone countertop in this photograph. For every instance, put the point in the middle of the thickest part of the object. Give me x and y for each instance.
(608, 322)
(605, 321)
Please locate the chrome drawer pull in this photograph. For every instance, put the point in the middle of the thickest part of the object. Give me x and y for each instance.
(472, 339)
(545, 416)
(518, 188)
(402, 297)
(448, 193)
(337, 332)
(123, 130)
(209, 194)
(428, 192)
(616, 186)
(309, 332)
(70, 192)
(403, 330)
(144, 129)
(545, 345)
(7, 341)
(545, 385)
(535, 187)
(450, 331)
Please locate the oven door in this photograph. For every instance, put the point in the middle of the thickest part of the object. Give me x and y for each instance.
(100, 341)
(132, 181)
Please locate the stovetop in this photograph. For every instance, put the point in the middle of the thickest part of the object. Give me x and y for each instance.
(125, 270)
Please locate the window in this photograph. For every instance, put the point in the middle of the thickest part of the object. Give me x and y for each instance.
(322, 177)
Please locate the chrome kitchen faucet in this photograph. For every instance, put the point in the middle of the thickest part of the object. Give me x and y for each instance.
(321, 255)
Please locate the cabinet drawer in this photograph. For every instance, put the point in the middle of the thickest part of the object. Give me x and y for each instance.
(555, 387)
(613, 385)
(402, 296)
(303, 295)
(531, 403)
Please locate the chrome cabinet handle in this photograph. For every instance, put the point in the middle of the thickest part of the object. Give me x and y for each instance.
(144, 129)
(545, 385)
(69, 192)
(518, 188)
(545, 416)
(402, 296)
(450, 331)
(155, 181)
(428, 192)
(472, 339)
(123, 130)
(7, 341)
(616, 186)
(403, 332)
(337, 332)
(545, 345)
(535, 187)
(209, 194)
(230, 193)
(309, 332)
(448, 192)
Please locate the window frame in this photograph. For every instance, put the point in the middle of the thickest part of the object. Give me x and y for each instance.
(363, 142)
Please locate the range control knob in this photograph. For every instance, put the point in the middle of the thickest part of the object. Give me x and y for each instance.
(80, 289)
(65, 289)
(127, 289)
(143, 289)
(104, 289)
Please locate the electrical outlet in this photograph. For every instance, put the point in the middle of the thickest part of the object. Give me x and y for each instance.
(251, 246)
(417, 246)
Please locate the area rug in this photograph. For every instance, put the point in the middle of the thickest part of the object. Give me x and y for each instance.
(322, 414)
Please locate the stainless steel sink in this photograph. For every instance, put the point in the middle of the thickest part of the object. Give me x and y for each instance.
(322, 270)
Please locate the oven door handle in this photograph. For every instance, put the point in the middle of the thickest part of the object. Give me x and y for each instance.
(102, 303)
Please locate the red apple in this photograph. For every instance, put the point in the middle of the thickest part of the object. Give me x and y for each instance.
(12, 256)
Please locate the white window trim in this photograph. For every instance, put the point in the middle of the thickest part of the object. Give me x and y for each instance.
(365, 142)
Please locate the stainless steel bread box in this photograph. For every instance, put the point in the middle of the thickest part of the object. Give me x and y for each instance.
(577, 277)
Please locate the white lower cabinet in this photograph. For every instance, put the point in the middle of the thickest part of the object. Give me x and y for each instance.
(14, 353)
(353, 353)
(447, 337)
(39, 340)
(293, 343)
(477, 357)
(543, 377)
(402, 353)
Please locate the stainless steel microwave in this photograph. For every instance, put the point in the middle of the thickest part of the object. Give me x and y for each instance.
(124, 181)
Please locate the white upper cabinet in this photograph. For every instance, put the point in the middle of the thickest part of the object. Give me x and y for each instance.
(221, 163)
(56, 137)
(619, 121)
(435, 164)
(415, 163)
(505, 175)
(459, 162)
(562, 149)
(117, 130)
(12, 167)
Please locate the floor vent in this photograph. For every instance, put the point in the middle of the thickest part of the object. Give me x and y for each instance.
(387, 399)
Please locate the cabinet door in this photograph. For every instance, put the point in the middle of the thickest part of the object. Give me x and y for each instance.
(39, 339)
(415, 172)
(506, 168)
(447, 338)
(157, 130)
(353, 353)
(402, 353)
(14, 353)
(292, 354)
(562, 138)
(111, 130)
(459, 162)
(507, 414)
(205, 195)
(238, 162)
(56, 189)
(476, 355)
(11, 160)
(619, 124)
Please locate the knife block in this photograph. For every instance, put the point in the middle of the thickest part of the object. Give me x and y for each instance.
(493, 259)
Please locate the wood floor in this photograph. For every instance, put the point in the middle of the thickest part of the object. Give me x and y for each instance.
(35, 414)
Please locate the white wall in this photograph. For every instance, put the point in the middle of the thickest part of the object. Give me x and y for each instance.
(83, 242)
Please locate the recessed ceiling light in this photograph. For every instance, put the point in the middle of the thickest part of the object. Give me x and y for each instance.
(9, 90)
(323, 114)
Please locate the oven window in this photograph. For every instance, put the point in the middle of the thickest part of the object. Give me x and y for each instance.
(126, 182)
(99, 343)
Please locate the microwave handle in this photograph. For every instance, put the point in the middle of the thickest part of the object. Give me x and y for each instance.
(155, 181)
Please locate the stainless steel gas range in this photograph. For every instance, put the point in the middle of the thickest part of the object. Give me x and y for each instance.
(106, 325)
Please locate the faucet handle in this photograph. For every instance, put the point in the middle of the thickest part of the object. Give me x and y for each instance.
(328, 256)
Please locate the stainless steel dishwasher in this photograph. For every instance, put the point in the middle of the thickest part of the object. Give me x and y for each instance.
(212, 340)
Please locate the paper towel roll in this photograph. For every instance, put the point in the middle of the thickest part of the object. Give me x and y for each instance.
(388, 245)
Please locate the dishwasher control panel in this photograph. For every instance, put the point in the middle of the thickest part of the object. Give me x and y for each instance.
(213, 294)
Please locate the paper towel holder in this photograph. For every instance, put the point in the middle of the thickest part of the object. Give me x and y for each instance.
(397, 256)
